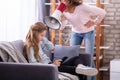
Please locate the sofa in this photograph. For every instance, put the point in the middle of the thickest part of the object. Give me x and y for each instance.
(27, 71)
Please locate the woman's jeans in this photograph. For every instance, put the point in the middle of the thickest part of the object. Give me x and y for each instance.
(77, 38)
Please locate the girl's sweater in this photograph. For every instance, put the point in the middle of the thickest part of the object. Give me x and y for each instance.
(44, 45)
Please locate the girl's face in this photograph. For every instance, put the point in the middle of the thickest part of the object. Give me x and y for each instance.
(41, 35)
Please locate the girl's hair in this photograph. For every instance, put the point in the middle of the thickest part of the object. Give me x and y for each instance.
(32, 40)
(73, 3)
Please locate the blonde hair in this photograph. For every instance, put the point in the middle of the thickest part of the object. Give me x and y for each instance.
(32, 40)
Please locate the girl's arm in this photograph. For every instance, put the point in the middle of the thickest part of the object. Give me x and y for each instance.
(31, 57)
(44, 58)
(95, 11)
(47, 45)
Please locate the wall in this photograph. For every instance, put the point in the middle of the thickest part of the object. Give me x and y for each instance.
(112, 34)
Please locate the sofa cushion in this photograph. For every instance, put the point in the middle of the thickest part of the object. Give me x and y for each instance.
(66, 51)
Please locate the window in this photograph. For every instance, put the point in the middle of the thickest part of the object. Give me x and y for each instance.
(16, 16)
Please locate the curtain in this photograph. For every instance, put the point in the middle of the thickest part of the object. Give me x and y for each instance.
(16, 16)
(42, 11)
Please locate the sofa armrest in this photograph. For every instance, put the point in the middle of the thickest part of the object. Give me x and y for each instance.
(19, 71)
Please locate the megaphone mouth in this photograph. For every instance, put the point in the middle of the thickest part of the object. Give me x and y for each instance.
(52, 22)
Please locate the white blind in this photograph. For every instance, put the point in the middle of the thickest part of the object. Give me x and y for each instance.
(16, 16)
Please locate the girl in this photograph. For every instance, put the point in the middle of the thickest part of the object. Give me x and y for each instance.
(35, 45)
(83, 17)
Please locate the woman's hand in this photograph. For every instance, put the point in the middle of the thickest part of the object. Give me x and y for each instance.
(57, 62)
(64, 21)
(62, 18)
(90, 23)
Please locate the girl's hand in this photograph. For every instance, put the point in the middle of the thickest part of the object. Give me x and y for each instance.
(90, 23)
(52, 51)
(57, 62)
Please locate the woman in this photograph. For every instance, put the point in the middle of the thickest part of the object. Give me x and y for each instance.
(36, 44)
(80, 15)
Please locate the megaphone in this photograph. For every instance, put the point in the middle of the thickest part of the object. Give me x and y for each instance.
(53, 21)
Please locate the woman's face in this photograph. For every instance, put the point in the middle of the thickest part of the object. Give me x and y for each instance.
(41, 35)
(64, 1)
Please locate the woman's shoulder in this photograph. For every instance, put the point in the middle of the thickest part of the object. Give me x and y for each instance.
(84, 5)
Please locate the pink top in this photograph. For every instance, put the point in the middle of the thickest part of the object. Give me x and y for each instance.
(82, 15)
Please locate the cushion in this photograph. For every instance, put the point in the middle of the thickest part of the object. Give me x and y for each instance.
(66, 51)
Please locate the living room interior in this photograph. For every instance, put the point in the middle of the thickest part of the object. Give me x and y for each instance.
(18, 17)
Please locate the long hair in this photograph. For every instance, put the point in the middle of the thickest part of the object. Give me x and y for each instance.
(32, 40)
(72, 4)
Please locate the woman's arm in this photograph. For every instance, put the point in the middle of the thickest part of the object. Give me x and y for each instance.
(64, 21)
(95, 11)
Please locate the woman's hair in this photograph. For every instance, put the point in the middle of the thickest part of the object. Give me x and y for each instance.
(73, 3)
(32, 40)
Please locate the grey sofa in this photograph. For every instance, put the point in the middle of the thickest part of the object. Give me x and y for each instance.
(20, 71)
